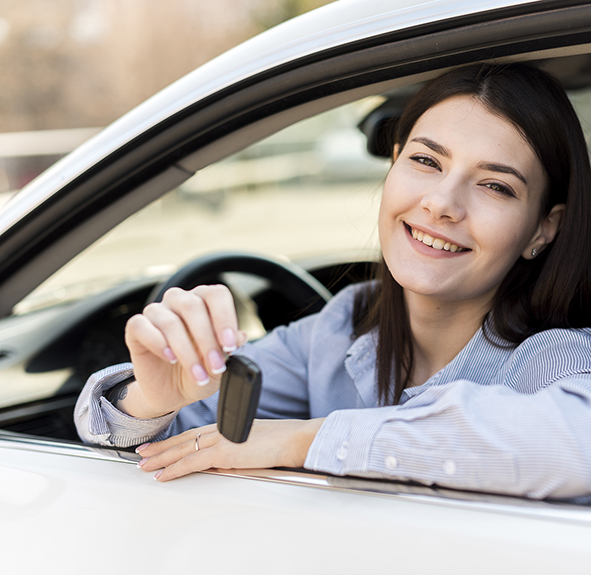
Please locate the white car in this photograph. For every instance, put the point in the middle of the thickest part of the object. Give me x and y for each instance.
(256, 152)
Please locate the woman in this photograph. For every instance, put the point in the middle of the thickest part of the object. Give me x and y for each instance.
(463, 365)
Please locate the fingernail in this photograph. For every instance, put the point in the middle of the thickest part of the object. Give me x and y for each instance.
(243, 337)
(158, 474)
(169, 355)
(141, 447)
(140, 463)
(200, 374)
(229, 340)
(216, 362)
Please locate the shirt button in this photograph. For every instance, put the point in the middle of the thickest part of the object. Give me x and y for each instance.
(391, 462)
(449, 467)
(343, 451)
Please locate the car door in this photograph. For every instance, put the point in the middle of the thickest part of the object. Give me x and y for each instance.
(84, 508)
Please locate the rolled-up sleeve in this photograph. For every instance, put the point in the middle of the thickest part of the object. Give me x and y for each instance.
(97, 421)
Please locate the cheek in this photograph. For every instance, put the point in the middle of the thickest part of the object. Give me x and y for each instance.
(505, 235)
(397, 197)
(385, 203)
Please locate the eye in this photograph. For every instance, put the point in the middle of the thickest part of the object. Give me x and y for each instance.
(425, 160)
(501, 189)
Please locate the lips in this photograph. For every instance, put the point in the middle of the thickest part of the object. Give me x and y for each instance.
(434, 242)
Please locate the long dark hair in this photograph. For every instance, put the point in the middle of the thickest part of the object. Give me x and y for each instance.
(550, 291)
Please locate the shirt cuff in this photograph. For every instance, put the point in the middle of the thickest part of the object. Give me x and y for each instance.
(98, 421)
(343, 443)
(126, 431)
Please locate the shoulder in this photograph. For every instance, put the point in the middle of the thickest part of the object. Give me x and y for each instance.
(549, 356)
(568, 341)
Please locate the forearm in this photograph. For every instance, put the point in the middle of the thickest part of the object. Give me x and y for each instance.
(128, 398)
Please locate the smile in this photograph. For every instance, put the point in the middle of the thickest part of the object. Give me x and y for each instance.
(435, 243)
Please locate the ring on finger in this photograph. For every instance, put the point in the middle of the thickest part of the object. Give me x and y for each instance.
(197, 441)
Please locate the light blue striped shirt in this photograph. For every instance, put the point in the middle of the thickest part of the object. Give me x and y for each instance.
(505, 420)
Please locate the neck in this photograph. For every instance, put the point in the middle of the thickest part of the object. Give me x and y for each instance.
(440, 330)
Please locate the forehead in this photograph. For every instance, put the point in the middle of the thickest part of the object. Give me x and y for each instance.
(468, 113)
(465, 123)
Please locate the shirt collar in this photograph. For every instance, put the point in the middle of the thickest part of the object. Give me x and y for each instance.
(360, 364)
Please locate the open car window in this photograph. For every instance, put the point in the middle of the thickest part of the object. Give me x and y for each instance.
(310, 190)
(309, 193)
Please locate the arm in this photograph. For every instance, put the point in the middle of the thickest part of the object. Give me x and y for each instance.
(177, 349)
(467, 436)
(282, 355)
(460, 435)
(97, 421)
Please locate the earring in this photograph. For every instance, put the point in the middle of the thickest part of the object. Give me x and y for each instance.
(534, 252)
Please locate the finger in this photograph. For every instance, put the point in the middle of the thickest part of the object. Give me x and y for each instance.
(194, 312)
(242, 338)
(150, 449)
(220, 304)
(178, 452)
(142, 336)
(178, 340)
(192, 463)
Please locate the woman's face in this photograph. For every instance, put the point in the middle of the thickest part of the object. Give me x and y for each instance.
(461, 203)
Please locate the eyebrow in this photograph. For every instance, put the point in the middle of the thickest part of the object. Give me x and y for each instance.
(488, 166)
(438, 148)
(502, 169)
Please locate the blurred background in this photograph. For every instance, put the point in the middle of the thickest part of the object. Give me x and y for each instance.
(69, 67)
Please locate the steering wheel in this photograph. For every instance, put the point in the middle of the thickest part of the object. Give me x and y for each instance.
(299, 288)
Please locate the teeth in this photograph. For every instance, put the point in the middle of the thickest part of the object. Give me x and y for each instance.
(436, 243)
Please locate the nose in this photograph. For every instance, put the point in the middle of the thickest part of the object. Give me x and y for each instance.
(446, 200)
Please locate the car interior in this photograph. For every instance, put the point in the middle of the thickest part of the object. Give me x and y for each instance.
(285, 222)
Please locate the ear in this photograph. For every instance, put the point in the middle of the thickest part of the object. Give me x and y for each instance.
(396, 152)
(545, 232)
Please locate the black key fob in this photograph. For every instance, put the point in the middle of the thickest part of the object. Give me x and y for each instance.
(239, 398)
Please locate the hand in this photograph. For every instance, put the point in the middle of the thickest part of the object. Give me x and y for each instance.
(178, 349)
(271, 443)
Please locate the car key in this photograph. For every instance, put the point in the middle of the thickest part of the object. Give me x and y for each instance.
(239, 398)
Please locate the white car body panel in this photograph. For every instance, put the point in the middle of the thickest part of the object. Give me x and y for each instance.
(234, 524)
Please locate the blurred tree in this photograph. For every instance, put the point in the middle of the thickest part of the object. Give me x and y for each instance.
(81, 63)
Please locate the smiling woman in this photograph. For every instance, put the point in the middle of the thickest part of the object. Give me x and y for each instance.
(496, 175)
(452, 367)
